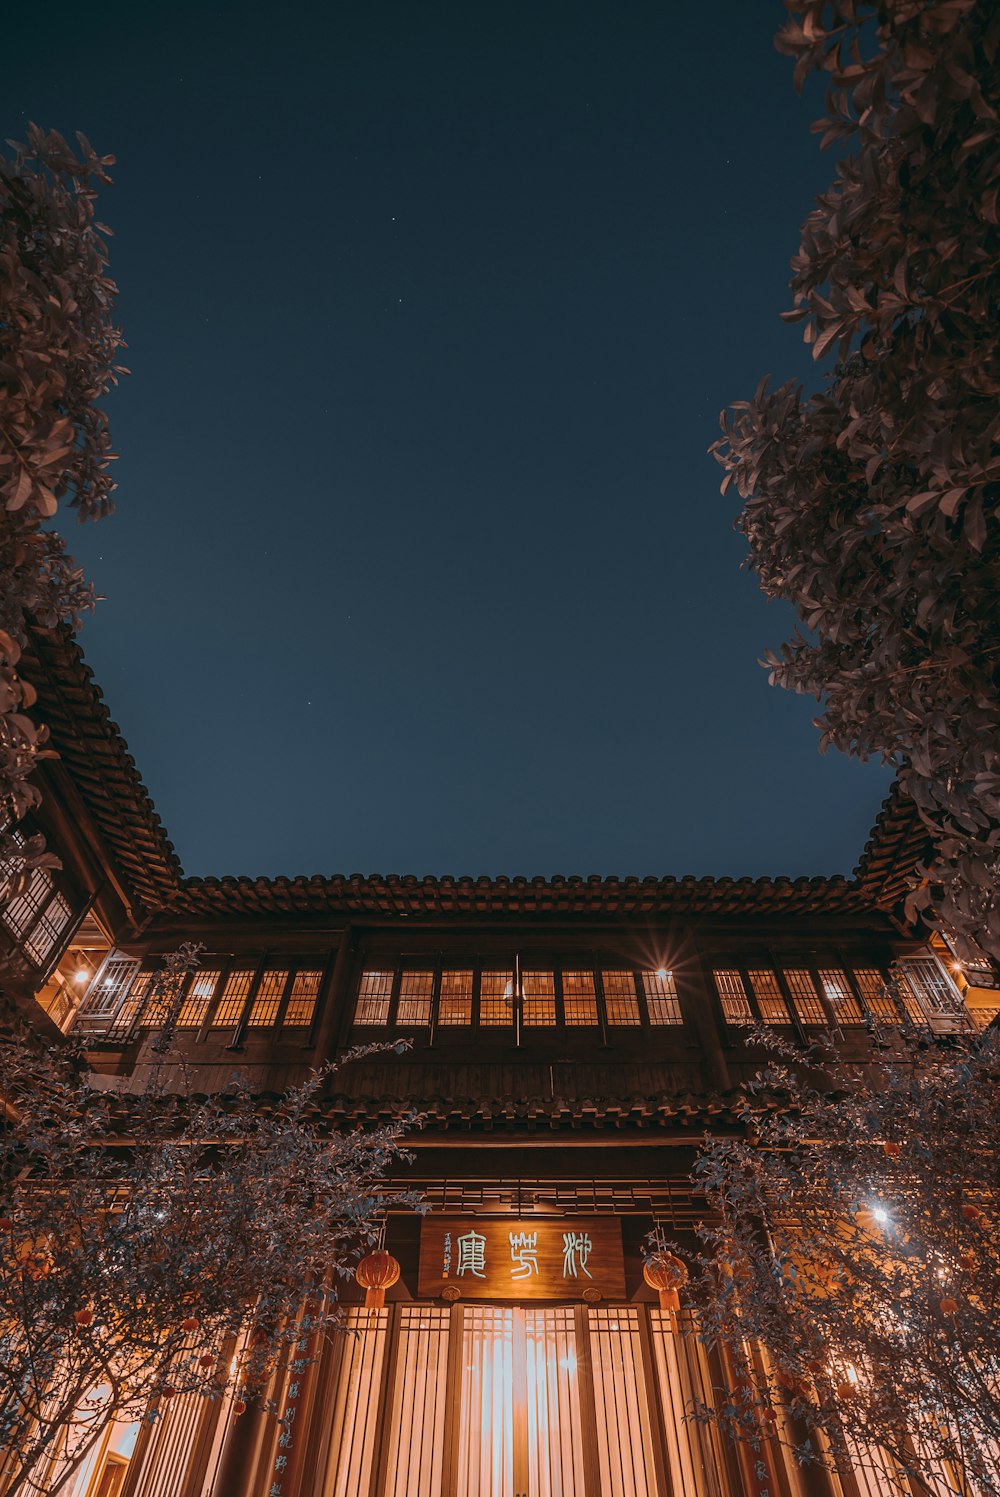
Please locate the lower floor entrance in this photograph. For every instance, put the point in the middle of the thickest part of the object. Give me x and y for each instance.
(505, 1401)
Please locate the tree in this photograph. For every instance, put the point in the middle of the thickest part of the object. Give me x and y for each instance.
(145, 1239)
(853, 1237)
(58, 351)
(874, 505)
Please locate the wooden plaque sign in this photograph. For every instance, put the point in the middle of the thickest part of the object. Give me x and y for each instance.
(513, 1258)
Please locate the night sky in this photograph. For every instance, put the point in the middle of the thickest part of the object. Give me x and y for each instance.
(420, 565)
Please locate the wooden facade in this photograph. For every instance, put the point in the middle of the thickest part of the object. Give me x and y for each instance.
(571, 1039)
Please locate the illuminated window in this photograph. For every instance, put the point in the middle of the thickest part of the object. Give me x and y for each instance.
(265, 1004)
(24, 909)
(661, 997)
(768, 995)
(620, 1001)
(735, 1008)
(495, 998)
(455, 1003)
(983, 1017)
(48, 929)
(579, 998)
(808, 1004)
(625, 1438)
(539, 998)
(417, 1402)
(928, 991)
(106, 992)
(374, 993)
(354, 1412)
(416, 992)
(839, 996)
(199, 996)
(302, 1000)
(234, 996)
(871, 986)
(134, 1009)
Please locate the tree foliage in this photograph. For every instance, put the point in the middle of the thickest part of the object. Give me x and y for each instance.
(874, 505)
(145, 1239)
(58, 349)
(854, 1238)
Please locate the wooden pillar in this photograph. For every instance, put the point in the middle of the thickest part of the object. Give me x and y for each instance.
(761, 1470)
(238, 1462)
(330, 1031)
(290, 1463)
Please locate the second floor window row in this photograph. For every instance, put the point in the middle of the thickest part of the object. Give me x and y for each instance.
(281, 996)
(917, 989)
(465, 997)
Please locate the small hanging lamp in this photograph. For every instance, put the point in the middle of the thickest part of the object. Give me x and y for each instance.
(666, 1273)
(376, 1273)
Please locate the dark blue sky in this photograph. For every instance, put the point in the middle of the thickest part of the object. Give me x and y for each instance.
(420, 564)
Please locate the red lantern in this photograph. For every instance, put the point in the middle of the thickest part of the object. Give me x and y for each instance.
(376, 1273)
(666, 1274)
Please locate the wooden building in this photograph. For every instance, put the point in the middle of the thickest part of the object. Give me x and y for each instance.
(572, 1038)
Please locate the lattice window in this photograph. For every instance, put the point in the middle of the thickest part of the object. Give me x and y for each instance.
(354, 1409)
(934, 995)
(579, 998)
(455, 1002)
(808, 1004)
(496, 993)
(418, 1399)
(48, 929)
(624, 1418)
(694, 1449)
(234, 996)
(661, 997)
(109, 987)
(732, 995)
(839, 996)
(135, 1009)
(374, 993)
(416, 994)
(983, 1017)
(199, 995)
(268, 998)
(871, 986)
(301, 1004)
(768, 994)
(23, 910)
(539, 997)
(620, 1001)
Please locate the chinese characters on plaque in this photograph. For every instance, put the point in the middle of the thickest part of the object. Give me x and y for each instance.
(510, 1258)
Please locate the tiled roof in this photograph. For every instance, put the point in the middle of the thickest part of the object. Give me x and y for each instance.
(96, 757)
(897, 843)
(395, 895)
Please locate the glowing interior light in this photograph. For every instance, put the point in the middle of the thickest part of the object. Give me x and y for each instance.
(662, 973)
(568, 1362)
(880, 1214)
(81, 974)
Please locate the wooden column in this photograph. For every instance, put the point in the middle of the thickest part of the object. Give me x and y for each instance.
(329, 1031)
(241, 1451)
(289, 1465)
